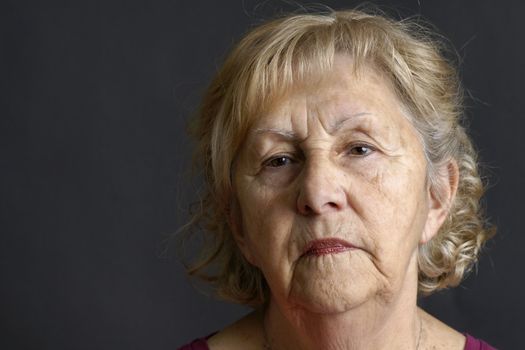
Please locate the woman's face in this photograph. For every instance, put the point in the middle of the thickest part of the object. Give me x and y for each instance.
(331, 193)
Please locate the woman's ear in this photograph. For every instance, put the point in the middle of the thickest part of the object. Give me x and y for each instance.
(441, 197)
(234, 216)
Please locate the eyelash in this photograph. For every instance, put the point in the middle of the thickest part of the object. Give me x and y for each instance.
(360, 145)
(268, 163)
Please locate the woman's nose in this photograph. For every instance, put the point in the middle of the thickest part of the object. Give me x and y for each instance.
(321, 189)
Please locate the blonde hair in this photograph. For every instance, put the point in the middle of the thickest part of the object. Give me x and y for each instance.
(276, 55)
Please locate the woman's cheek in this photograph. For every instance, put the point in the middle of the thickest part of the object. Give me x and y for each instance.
(278, 178)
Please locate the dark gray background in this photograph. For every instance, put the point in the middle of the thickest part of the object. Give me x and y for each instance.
(95, 98)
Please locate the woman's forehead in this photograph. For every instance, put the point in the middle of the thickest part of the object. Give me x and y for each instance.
(343, 98)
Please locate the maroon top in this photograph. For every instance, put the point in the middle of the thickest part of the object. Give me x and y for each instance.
(471, 344)
(197, 344)
(476, 344)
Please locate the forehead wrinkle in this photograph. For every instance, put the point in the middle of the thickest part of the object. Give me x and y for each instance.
(339, 123)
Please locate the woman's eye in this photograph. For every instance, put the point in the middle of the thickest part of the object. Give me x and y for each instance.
(360, 150)
(278, 162)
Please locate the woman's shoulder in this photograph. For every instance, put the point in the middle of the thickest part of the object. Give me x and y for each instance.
(197, 344)
(438, 335)
(242, 335)
(239, 335)
(441, 336)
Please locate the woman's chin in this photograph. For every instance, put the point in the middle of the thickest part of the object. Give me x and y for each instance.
(329, 299)
(329, 284)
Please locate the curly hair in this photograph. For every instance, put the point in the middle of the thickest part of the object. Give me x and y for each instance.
(274, 56)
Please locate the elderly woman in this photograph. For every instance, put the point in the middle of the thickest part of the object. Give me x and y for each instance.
(340, 184)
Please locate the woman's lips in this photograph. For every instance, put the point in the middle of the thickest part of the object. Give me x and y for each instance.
(327, 246)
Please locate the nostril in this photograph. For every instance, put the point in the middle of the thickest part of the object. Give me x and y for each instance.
(307, 209)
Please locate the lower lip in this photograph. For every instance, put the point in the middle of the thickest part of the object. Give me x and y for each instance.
(327, 250)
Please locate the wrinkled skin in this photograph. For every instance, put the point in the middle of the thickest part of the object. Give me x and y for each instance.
(335, 159)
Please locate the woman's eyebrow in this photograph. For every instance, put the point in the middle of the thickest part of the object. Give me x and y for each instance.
(338, 124)
(286, 134)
